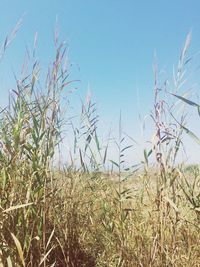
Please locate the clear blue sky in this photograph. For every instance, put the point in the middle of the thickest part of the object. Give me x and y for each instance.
(111, 43)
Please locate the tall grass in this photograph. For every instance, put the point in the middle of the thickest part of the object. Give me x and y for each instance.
(80, 214)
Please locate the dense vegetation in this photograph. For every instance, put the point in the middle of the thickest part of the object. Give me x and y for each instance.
(81, 214)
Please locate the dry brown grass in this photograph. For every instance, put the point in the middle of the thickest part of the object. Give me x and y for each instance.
(80, 215)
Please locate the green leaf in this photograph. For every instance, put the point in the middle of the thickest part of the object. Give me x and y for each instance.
(191, 134)
(97, 142)
(125, 148)
(105, 155)
(114, 163)
(198, 110)
(191, 103)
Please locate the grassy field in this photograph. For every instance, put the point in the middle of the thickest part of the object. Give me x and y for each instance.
(82, 213)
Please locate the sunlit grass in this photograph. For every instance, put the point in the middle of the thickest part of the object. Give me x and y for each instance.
(82, 214)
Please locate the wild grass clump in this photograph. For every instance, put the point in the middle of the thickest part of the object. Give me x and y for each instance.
(79, 214)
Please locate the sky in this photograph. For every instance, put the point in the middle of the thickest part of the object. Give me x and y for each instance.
(111, 45)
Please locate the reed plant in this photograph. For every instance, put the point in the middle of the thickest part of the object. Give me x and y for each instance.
(80, 214)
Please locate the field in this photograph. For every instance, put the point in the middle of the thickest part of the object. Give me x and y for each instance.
(93, 211)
